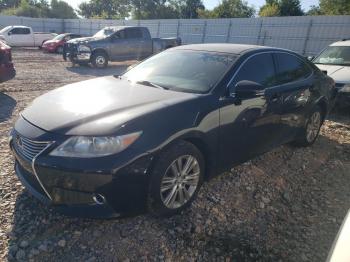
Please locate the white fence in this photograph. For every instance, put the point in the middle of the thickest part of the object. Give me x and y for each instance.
(306, 35)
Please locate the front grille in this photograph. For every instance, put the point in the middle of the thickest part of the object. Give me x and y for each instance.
(28, 148)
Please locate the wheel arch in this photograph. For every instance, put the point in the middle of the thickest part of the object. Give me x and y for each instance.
(100, 50)
(322, 103)
(196, 139)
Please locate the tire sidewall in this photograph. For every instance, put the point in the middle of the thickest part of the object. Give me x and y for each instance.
(302, 140)
(165, 159)
(94, 57)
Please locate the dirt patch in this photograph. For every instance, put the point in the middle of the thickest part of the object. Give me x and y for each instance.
(286, 205)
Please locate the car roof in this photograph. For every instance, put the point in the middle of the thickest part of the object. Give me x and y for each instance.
(345, 42)
(225, 48)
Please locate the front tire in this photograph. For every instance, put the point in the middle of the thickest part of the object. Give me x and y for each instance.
(99, 60)
(311, 130)
(59, 50)
(176, 179)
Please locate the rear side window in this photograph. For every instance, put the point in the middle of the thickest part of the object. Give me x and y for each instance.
(259, 68)
(290, 68)
(132, 33)
(25, 31)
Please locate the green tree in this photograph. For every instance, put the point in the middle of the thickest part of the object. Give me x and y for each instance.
(281, 8)
(60, 9)
(290, 8)
(153, 9)
(107, 9)
(229, 9)
(270, 10)
(314, 10)
(335, 7)
(187, 8)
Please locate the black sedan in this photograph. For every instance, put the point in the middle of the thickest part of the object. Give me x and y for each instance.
(148, 139)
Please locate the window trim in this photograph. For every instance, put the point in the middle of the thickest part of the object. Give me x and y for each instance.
(275, 67)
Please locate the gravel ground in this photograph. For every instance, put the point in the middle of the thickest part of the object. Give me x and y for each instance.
(286, 205)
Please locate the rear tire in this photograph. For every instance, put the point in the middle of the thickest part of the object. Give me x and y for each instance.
(176, 179)
(99, 60)
(311, 130)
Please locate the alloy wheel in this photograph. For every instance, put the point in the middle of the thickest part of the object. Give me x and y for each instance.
(313, 126)
(180, 181)
(100, 61)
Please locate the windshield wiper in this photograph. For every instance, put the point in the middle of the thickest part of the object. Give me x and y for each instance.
(148, 83)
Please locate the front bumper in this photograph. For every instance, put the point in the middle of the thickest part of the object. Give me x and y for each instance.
(84, 193)
(70, 52)
(343, 99)
(49, 48)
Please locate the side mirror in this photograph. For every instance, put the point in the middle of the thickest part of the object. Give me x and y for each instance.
(248, 89)
(325, 72)
(310, 58)
(9, 33)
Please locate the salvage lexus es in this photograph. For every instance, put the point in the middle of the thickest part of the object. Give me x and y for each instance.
(146, 140)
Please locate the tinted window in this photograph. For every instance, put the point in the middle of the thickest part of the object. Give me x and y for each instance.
(259, 69)
(290, 68)
(20, 31)
(183, 70)
(119, 35)
(133, 33)
(25, 31)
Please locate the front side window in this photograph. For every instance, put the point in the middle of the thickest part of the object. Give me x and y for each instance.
(183, 70)
(259, 69)
(16, 31)
(290, 68)
(334, 55)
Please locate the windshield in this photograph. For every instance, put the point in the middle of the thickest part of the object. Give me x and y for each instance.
(334, 55)
(105, 32)
(182, 70)
(4, 29)
(59, 37)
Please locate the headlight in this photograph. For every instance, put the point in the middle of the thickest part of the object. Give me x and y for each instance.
(87, 147)
(83, 48)
(346, 88)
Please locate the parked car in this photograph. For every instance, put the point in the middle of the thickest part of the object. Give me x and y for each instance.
(340, 249)
(56, 44)
(17, 35)
(146, 140)
(117, 43)
(335, 61)
(7, 70)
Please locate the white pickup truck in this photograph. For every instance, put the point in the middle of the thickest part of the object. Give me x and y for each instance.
(16, 35)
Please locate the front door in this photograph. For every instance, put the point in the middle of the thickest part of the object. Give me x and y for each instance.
(249, 127)
(20, 37)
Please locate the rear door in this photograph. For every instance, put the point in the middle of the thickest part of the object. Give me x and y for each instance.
(250, 127)
(295, 87)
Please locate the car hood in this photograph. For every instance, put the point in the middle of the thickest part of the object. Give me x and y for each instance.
(340, 74)
(51, 41)
(83, 40)
(97, 107)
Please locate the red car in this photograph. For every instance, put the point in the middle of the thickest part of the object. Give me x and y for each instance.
(7, 70)
(55, 45)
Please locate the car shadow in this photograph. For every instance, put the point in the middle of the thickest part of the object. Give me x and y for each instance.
(246, 233)
(113, 69)
(7, 105)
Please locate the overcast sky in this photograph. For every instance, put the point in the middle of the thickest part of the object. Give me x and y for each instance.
(209, 4)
